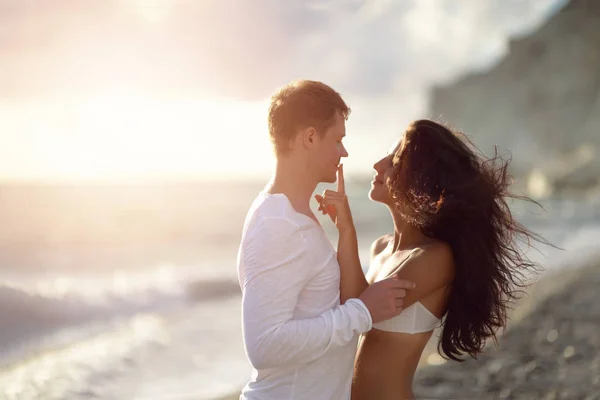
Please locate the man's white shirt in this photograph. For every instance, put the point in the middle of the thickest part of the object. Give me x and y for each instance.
(299, 339)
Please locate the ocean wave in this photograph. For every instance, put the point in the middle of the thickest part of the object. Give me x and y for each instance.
(34, 307)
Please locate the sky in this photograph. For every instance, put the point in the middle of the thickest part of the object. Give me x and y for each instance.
(179, 89)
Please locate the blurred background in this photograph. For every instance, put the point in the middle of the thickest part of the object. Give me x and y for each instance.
(133, 140)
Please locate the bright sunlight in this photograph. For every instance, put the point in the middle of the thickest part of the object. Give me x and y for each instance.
(119, 135)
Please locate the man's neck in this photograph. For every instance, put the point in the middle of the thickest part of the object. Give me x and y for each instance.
(295, 184)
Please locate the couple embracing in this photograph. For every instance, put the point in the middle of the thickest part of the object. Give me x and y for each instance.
(314, 325)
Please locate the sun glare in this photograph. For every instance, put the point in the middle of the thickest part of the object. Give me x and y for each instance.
(119, 135)
(151, 10)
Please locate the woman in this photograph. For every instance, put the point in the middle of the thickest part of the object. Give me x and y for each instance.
(454, 236)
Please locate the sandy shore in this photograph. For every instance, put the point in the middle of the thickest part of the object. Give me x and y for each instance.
(549, 350)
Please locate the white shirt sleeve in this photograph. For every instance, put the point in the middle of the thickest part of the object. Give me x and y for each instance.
(275, 272)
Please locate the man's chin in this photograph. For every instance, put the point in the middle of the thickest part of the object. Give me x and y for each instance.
(330, 179)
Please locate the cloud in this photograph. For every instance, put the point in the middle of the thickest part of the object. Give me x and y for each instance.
(237, 48)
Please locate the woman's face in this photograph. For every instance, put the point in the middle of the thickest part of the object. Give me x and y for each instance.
(383, 173)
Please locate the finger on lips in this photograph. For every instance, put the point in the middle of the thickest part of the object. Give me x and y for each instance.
(341, 186)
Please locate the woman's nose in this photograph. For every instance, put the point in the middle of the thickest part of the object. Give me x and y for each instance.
(377, 166)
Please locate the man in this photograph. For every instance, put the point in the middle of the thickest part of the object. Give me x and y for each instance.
(300, 340)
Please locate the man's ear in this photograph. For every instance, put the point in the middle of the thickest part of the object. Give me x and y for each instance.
(309, 137)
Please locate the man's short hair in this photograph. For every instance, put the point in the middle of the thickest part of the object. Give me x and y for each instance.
(299, 105)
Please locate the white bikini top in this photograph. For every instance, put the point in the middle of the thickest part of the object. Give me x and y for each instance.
(415, 318)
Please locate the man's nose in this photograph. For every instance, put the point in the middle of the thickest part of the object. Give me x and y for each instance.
(344, 152)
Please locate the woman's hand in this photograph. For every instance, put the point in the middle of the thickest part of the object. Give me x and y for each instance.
(335, 204)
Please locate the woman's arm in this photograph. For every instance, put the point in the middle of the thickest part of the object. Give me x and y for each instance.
(352, 280)
(335, 204)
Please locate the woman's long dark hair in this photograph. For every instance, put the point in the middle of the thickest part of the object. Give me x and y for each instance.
(444, 187)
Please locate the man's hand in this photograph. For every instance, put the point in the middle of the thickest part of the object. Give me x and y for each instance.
(335, 204)
(384, 298)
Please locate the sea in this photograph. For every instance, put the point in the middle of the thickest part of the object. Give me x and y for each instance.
(130, 292)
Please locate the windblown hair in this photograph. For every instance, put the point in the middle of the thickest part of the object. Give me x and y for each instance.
(446, 188)
(299, 105)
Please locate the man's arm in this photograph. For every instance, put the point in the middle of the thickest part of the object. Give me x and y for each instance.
(275, 272)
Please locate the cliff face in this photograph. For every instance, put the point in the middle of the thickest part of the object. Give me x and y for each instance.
(541, 102)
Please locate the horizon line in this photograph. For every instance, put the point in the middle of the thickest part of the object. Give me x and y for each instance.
(154, 181)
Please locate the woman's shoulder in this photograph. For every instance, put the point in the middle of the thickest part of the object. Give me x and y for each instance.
(436, 247)
(380, 244)
(429, 265)
(436, 253)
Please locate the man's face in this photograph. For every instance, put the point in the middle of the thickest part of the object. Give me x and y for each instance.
(327, 155)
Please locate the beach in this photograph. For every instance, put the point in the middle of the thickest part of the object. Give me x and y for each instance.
(549, 350)
(165, 323)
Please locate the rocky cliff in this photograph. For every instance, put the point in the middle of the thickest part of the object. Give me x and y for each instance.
(541, 102)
